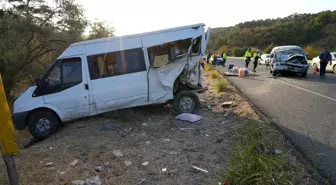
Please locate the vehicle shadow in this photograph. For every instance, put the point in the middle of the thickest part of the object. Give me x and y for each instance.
(321, 155)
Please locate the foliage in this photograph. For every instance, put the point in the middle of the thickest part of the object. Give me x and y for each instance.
(33, 33)
(297, 29)
(252, 160)
(220, 85)
(100, 29)
(312, 52)
(213, 74)
(269, 48)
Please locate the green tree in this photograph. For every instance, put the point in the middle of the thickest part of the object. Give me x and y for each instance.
(100, 29)
(312, 52)
(269, 48)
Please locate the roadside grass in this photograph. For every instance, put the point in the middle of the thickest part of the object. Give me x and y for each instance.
(255, 158)
(207, 67)
(213, 74)
(220, 85)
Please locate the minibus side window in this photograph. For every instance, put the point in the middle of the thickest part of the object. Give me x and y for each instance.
(116, 63)
(64, 74)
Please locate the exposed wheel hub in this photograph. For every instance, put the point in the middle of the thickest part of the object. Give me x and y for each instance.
(187, 104)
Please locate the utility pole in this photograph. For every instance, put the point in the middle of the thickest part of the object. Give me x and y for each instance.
(8, 147)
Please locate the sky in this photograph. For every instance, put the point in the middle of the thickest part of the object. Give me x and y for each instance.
(136, 16)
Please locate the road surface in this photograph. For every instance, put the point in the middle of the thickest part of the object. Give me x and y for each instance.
(304, 108)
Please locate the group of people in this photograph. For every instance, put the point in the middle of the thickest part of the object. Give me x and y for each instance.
(256, 57)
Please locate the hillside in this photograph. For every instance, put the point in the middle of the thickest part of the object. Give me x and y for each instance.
(317, 30)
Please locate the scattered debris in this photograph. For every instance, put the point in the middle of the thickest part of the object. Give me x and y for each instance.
(74, 162)
(186, 129)
(145, 163)
(223, 122)
(49, 164)
(148, 142)
(62, 173)
(227, 104)
(200, 169)
(173, 153)
(50, 148)
(99, 168)
(107, 163)
(164, 169)
(128, 129)
(144, 124)
(117, 153)
(202, 101)
(80, 126)
(78, 182)
(206, 135)
(128, 163)
(93, 181)
(275, 151)
(142, 180)
(110, 126)
(189, 117)
(168, 140)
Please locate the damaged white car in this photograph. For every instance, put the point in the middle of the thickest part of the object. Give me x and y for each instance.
(96, 76)
(289, 59)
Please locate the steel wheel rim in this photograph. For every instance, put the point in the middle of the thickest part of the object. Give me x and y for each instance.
(186, 104)
(43, 125)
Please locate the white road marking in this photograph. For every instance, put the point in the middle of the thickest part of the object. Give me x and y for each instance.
(312, 92)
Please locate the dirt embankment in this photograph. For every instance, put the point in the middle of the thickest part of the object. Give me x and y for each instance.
(144, 145)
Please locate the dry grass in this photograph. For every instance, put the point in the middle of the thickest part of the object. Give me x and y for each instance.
(220, 85)
(207, 67)
(213, 74)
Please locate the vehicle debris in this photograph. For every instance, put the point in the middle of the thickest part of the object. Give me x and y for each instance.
(93, 181)
(145, 163)
(200, 169)
(110, 126)
(78, 182)
(117, 153)
(188, 117)
(73, 163)
(49, 164)
(128, 163)
(148, 142)
(142, 180)
(99, 168)
(227, 104)
(164, 169)
(168, 140)
(144, 124)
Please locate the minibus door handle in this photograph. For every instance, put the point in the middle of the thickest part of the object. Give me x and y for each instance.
(86, 86)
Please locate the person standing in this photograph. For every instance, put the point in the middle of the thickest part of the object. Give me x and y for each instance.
(256, 57)
(208, 57)
(325, 57)
(248, 56)
(224, 58)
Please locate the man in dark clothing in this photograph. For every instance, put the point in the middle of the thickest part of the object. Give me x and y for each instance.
(325, 57)
(208, 57)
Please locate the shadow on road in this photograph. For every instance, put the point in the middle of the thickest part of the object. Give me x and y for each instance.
(321, 155)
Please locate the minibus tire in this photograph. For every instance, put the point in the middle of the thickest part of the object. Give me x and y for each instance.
(186, 95)
(45, 120)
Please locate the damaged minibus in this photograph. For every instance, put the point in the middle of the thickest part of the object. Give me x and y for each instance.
(96, 76)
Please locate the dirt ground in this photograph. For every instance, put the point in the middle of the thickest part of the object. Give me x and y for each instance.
(148, 134)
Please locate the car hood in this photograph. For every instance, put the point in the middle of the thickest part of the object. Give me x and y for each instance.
(299, 59)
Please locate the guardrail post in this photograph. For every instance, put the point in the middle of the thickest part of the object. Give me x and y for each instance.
(8, 146)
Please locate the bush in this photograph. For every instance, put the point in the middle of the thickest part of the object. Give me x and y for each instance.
(213, 74)
(269, 48)
(207, 67)
(252, 161)
(312, 52)
(220, 85)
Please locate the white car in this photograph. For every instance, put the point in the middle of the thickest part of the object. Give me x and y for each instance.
(265, 58)
(315, 63)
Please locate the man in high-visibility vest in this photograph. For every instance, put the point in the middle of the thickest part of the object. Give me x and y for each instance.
(224, 58)
(248, 56)
(256, 57)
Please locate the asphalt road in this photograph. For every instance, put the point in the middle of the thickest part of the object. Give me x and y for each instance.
(304, 108)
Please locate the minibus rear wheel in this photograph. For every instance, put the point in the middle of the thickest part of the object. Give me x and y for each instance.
(42, 124)
(186, 102)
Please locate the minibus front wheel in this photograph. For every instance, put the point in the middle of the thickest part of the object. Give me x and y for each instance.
(42, 124)
(186, 102)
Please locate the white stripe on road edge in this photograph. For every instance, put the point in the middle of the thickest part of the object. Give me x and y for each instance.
(312, 92)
